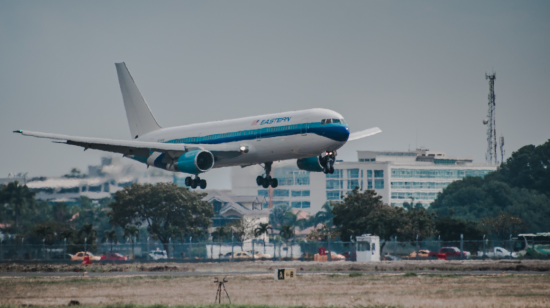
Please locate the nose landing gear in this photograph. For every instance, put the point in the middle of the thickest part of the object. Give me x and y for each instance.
(327, 161)
(267, 181)
(196, 182)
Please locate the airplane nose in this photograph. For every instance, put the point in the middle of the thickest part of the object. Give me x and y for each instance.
(342, 133)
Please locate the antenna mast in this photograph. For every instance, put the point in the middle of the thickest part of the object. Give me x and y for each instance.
(490, 121)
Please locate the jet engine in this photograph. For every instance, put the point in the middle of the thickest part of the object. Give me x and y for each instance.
(310, 164)
(195, 162)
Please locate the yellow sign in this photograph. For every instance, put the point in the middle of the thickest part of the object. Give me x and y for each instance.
(285, 273)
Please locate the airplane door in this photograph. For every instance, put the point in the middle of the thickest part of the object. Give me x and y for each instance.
(258, 133)
(304, 127)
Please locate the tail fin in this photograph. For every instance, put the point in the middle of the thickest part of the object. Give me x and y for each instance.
(140, 117)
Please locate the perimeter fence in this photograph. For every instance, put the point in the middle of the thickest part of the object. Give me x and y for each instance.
(154, 251)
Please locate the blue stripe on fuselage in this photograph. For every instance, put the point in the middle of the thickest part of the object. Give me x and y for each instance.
(336, 132)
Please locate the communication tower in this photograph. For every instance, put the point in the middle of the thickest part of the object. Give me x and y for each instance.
(491, 155)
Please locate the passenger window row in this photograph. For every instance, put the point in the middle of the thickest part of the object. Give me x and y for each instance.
(332, 121)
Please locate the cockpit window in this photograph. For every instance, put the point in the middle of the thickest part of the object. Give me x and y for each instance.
(323, 122)
(329, 121)
(335, 121)
(342, 120)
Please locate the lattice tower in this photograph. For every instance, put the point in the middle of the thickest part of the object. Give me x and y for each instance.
(491, 155)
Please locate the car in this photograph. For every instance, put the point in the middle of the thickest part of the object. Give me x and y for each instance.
(350, 255)
(158, 254)
(389, 257)
(114, 256)
(79, 256)
(239, 255)
(336, 256)
(422, 253)
(450, 252)
(259, 255)
(498, 252)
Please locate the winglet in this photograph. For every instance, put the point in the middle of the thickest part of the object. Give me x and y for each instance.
(18, 131)
(364, 133)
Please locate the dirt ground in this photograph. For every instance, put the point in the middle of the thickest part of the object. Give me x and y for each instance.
(311, 289)
(269, 266)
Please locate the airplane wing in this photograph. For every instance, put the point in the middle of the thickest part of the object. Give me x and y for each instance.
(133, 147)
(364, 133)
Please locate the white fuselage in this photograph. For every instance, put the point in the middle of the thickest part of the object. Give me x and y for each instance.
(271, 137)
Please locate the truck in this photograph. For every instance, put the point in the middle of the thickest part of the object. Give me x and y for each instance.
(498, 252)
(450, 252)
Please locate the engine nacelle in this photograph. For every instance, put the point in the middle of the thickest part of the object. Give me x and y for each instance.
(195, 162)
(310, 164)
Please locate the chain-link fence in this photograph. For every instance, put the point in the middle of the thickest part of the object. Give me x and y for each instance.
(520, 248)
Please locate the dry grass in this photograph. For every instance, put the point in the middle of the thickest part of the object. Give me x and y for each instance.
(307, 290)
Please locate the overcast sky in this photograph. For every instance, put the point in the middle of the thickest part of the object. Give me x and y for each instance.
(416, 69)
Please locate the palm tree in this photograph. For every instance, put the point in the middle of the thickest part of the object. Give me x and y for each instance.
(19, 197)
(325, 215)
(131, 232)
(87, 231)
(110, 235)
(262, 229)
(287, 231)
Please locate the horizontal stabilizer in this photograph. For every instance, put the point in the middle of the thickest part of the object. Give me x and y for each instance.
(364, 133)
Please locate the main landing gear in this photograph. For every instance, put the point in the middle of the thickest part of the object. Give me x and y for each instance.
(267, 181)
(193, 183)
(327, 161)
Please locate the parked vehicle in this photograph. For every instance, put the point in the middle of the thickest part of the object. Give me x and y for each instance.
(336, 256)
(389, 257)
(114, 256)
(422, 253)
(158, 254)
(259, 255)
(238, 255)
(350, 255)
(450, 252)
(79, 256)
(498, 252)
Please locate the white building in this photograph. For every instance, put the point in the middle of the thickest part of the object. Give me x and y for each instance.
(101, 181)
(396, 176)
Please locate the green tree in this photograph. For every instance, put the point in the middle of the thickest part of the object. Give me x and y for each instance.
(421, 223)
(86, 236)
(243, 229)
(450, 229)
(287, 231)
(277, 215)
(503, 225)
(131, 232)
(364, 212)
(111, 236)
(263, 228)
(169, 210)
(18, 197)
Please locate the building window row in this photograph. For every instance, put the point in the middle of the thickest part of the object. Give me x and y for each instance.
(415, 195)
(300, 193)
(367, 159)
(301, 204)
(354, 174)
(419, 185)
(438, 173)
(284, 193)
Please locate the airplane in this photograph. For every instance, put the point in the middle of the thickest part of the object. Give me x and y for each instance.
(312, 137)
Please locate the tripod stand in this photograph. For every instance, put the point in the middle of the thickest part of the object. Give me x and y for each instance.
(221, 283)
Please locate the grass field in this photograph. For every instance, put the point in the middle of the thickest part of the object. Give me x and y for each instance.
(319, 290)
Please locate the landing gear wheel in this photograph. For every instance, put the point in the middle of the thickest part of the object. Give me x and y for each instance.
(259, 180)
(331, 171)
(194, 184)
(188, 181)
(266, 182)
(274, 183)
(202, 184)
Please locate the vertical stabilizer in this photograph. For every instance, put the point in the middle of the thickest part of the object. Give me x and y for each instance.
(140, 117)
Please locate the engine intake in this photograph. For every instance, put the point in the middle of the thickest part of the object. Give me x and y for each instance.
(310, 164)
(195, 162)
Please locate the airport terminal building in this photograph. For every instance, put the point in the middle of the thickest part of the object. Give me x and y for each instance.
(396, 176)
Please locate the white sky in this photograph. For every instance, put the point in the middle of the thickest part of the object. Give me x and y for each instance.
(416, 69)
